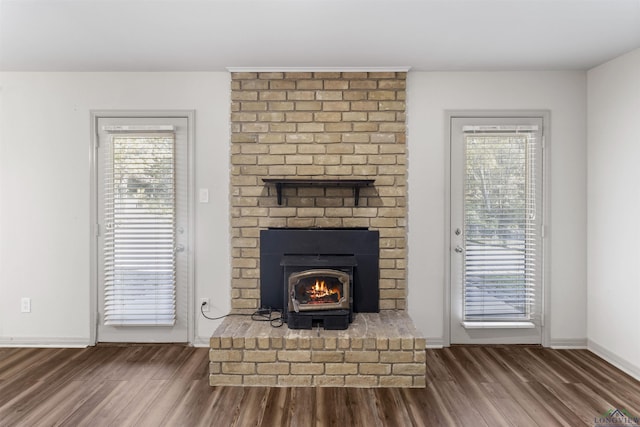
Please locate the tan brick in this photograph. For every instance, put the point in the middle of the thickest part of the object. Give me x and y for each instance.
(253, 106)
(238, 342)
(396, 381)
(298, 75)
(283, 149)
(282, 170)
(255, 127)
(327, 117)
(298, 138)
(254, 85)
(311, 127)
(308, 106)
(326, 160)
(383, 138)
(327, 138)
(272, 116)
(276, 342)
(396, 356)
(338, 212)
(219, 380)
(355, 138)
(271, 138)
(354, 116)
(317, 343)
(295, 380)
(311, 149)
(244, 76)
(321, 356)
(365, 127)
(309, 84)
(354, 160)
(273, 95)
(238, 368)
(275, 368)
(355, 95)
(327, 75)
(341, 368)
(307, 368)
(294, 356)
(338, 127)
(361, 381)
(282, 84)
(301, 95)
(336, 84)
(299, 117)
(260, 356)
(310, 170)
(244, 117)
(336, 106)
(260, 380)
(363, 84)
(329, 381)
(364, 170)
(364, 106)
(407, 343)
(383, 75)
(374, 369)
(271, 160)
(304, 343)
(330, 343)
(329, 95)
(270, 75)
(361, 356)
(214, 343)
(340, 149)
(391, 106)
(382, 116)
(392, 84)
(263, 343)
(409, 369)
(215, 367)
(281, 106)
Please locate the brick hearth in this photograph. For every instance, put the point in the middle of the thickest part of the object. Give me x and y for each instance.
(378, 350)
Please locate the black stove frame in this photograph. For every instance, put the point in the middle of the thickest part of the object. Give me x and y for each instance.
(360, 246)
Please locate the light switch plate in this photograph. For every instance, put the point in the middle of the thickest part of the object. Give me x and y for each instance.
(204, 195)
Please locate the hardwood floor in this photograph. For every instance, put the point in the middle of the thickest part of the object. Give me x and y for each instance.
(152, 385)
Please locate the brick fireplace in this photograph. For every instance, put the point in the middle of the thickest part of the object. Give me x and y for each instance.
(328, 126)
(318, 125)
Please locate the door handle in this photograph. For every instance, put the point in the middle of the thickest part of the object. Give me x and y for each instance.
(459, 249)
(179, 248)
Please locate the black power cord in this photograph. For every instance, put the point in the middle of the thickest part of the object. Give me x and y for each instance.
(273, 316)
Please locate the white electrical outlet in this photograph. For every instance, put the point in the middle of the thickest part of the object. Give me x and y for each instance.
(25, 305)
(204, 303)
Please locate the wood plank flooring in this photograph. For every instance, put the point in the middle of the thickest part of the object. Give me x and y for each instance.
(167, 385)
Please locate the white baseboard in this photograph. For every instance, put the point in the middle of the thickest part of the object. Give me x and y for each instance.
(435, 342)
(568, 343)
(201, 342)
(617, 361)
(44, 342)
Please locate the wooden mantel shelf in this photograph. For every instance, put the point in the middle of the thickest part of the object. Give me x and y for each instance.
(356, 184)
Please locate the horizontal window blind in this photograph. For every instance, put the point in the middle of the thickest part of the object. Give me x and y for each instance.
(502, 222)
(140, 204)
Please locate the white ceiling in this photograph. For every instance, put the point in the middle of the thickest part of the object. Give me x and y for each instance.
(203, 35)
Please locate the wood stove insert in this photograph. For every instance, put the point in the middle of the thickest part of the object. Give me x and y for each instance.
(291, 260)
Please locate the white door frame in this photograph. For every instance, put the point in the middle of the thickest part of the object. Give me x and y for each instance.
(93, 291)
(546, 277)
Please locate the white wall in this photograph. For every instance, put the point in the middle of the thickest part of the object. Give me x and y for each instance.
(614, 210)
(564, 95)
(45, 192)
(44, 189)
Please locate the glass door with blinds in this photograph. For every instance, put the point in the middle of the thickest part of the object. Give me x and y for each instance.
(496, 230)
(142, 237)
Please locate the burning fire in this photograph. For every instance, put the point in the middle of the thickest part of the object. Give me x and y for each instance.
(320, 290)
